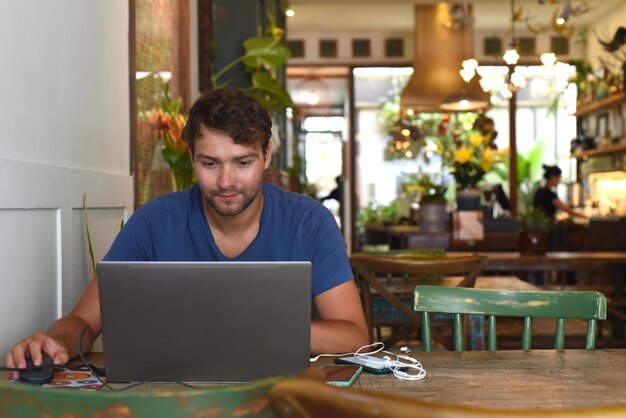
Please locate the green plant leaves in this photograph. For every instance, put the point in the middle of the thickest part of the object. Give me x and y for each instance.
(264, 52)
(270, 92)
(263, 55)
(529, 165)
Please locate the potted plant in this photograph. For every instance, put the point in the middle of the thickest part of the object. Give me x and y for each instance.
(535, 224)
(433, 206)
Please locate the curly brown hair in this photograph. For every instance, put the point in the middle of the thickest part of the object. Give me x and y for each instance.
(229, 112)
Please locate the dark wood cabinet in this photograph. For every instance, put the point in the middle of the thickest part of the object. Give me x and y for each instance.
(601, 234)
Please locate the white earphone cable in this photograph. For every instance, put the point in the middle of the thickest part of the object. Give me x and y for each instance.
(413, 369)
(358, 352)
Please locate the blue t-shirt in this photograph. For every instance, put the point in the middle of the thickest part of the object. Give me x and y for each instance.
(292, 227)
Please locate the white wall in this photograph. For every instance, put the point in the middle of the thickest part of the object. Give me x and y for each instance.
(377, 41)
(344, 48)
(605, 30)
(64, 113)
(595, 54)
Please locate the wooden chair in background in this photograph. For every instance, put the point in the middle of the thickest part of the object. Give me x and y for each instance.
(303, 398)
(392, 277)
(561, 305)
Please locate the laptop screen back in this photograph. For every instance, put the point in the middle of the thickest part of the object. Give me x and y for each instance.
(204, 321)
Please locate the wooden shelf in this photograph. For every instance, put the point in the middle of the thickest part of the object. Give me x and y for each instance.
(595, 106)
(600, 151)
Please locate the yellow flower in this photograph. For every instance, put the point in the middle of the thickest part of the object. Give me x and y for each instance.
(278, 33)
(476, 139)
(488, 154)
(462, 155)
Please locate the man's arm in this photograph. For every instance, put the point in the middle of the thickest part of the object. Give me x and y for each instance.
(60, 342)
(342, 327)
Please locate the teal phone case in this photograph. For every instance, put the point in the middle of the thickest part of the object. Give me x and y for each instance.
(345, 381)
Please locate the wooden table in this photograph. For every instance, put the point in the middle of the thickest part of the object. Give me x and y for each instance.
(514, 379)
(513, 262)
(563, 261)
(502, 379)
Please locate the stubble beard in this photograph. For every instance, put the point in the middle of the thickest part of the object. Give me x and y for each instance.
(245, 197)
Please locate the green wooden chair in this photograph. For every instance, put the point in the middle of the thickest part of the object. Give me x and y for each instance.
(561, 305)
(149, 401)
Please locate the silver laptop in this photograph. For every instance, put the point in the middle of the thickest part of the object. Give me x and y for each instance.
(204, 321)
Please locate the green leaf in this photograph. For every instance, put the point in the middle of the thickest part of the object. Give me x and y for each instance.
(273, 90)
(535, 157)
(264, 52)
(501, 170)
(169, 156)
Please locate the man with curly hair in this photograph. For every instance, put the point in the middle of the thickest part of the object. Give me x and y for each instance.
(229, 215)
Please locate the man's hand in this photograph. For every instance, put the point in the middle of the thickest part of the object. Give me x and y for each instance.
(34, 346)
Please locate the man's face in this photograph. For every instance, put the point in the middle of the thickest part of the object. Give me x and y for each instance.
(229, 175)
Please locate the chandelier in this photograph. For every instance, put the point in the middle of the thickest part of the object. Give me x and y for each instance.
(508, 81)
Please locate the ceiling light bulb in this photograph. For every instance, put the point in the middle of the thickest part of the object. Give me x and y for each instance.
(485, 84)
(518, 80)
(506, 93)
(312, 98)
(467, 74)
(464, 104)
(410, 112)
(567, 11)
(405, 132)
(548, 59)
(470, 64)
(511, 56)
(290, 13)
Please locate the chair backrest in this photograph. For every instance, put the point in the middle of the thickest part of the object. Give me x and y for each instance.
(302, 398)
(468, 266)
(368, 269)
(561, 305)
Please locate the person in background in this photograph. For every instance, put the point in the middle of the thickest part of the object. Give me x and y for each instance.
(229, 215)
(545, 197)
(337, 194)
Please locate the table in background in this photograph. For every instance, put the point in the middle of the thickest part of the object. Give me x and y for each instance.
(513, 263)
(514, 379)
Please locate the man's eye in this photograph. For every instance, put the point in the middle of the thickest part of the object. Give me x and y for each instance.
(244, 163)
(209, 164)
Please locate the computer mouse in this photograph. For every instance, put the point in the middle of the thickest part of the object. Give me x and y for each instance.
(38, 374)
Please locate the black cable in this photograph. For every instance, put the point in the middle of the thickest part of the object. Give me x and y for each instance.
(104, 384)
(89, 366)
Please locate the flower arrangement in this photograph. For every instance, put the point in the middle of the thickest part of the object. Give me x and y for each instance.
(469, 155)
(175, 150)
